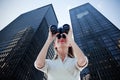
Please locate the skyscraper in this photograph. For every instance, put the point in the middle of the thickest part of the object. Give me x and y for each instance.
(21, 41)
(100, 41)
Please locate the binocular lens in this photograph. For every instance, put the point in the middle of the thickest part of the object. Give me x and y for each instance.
(53, 29)
(61, 36)
(61, 30)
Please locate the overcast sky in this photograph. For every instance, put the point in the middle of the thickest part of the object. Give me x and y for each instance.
(11, 9)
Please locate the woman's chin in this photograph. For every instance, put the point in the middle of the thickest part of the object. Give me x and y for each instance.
(62, 42)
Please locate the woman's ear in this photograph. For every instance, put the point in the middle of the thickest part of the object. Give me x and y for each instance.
(55, 47)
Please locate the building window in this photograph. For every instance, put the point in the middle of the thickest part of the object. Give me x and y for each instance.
(82, 14)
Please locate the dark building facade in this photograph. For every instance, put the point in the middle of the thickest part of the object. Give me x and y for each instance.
(21, 41)
(100, 41)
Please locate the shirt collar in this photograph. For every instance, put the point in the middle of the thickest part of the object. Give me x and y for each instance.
(64, 59)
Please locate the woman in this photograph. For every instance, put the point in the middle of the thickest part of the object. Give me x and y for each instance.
(65, 66)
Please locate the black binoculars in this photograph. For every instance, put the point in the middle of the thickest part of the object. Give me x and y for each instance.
(64, 29)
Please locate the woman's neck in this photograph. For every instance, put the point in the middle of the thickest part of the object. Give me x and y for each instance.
(62, 53)
(62, 57)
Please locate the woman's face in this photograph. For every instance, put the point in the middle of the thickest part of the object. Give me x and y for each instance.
(61, 41)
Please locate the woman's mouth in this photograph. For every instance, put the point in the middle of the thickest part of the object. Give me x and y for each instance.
(62, 41)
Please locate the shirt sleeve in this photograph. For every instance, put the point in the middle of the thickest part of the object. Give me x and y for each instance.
(81, 68)
(44, 68)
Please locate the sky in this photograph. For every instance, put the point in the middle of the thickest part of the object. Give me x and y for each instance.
(11, 9)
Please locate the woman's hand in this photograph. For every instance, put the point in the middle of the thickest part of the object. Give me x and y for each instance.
(51, 36)
(69, 35)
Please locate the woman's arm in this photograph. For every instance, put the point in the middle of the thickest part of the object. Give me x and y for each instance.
(40, 61)
(81, 58)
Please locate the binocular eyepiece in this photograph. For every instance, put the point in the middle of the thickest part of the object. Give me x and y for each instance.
(64, 29)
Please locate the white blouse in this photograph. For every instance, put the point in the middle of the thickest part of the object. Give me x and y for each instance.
(58, 70)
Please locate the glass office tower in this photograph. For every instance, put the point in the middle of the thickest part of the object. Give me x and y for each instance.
(21, 41)
(100, 41)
